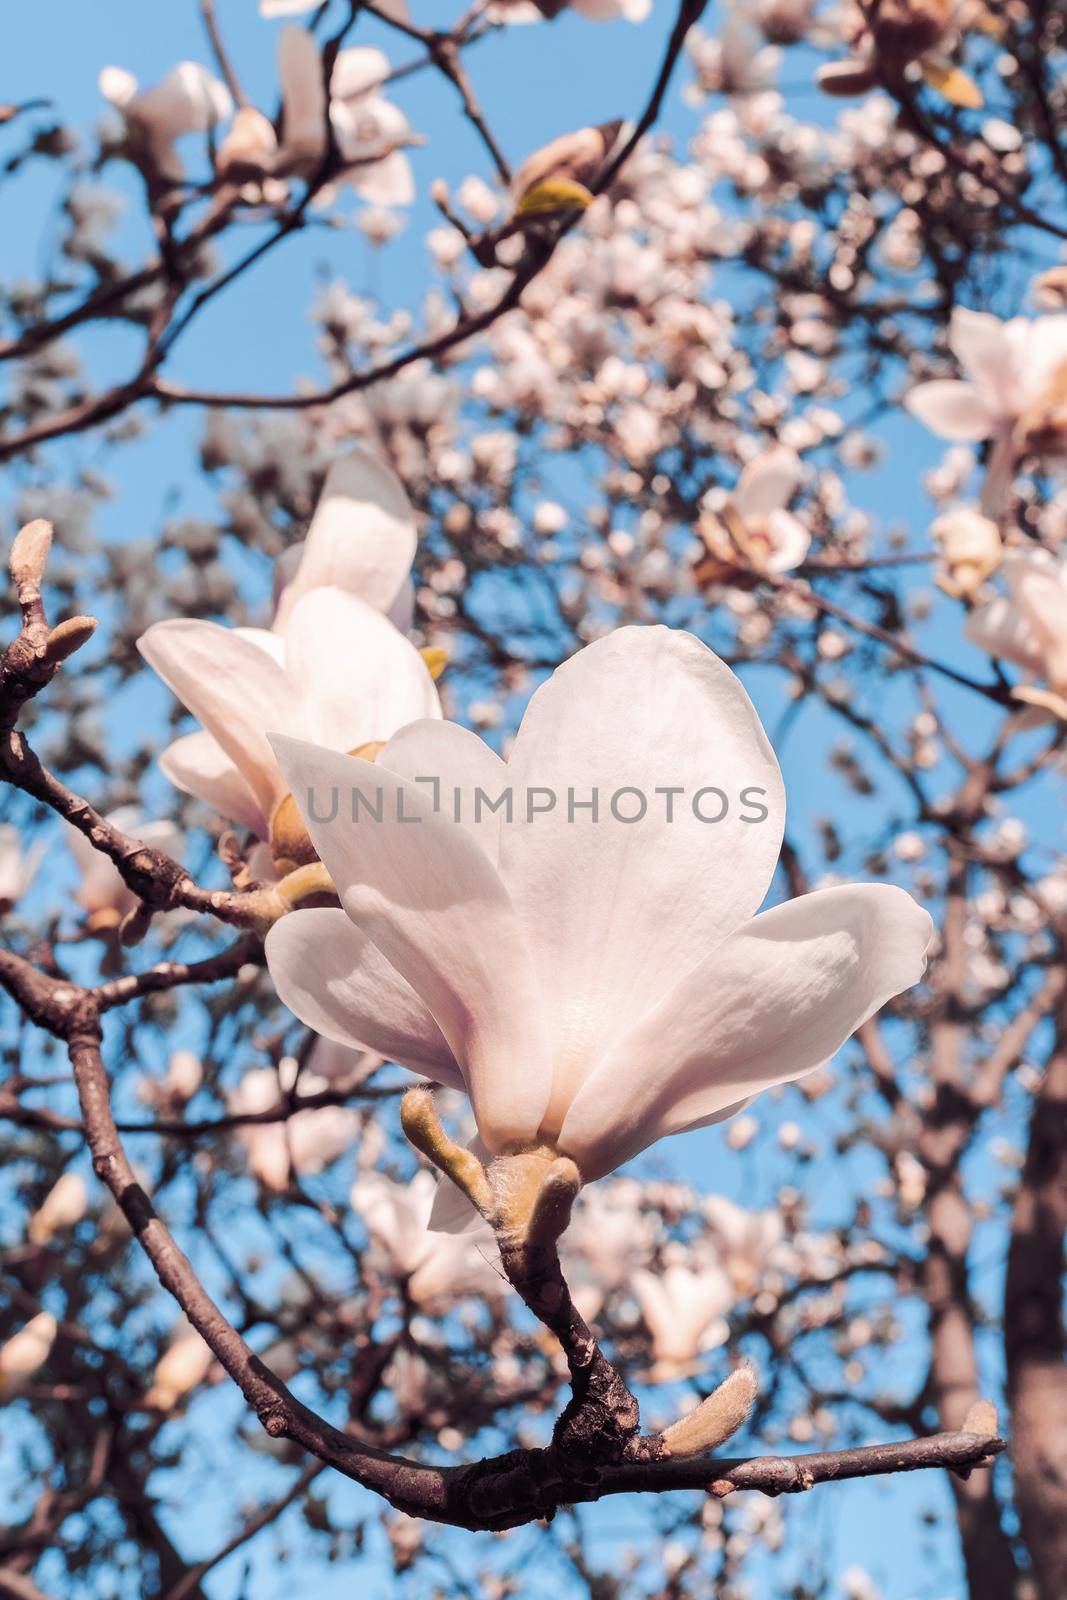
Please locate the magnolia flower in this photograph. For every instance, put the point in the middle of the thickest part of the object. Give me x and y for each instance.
(16, 869)
(594, 982)
(306, 1143)
(608, 1238)
(369, 131)
(892, 34)
(25, 1352)
(594, 10)
(558, 175)
(1014, 393)
(754, 529)
(1028, 626)
(62, 1207)
(685, 1308)
(434, 1266)
(102, 892)
(741, 1241)
(736, 62)
(397, 9)
(188, 100)
(183, 1077)
(184, 1365)
(335, 668)
(971, 548)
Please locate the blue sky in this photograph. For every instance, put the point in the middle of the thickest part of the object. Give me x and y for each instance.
(534, 83)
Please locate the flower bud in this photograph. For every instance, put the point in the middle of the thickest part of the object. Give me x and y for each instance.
(29, 554)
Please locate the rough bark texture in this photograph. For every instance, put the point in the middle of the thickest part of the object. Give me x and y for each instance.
(1034, 1332)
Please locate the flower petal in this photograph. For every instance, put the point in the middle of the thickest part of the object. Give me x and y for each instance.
(356, 677)
(616, 910)
(994, 356)
(951, 409)
(334, 979)
(768, 482)
(303, 95)
(197, 765)
(362, 537)
(233, 689)
(423, 891)
(772, 1004)
(458, 769)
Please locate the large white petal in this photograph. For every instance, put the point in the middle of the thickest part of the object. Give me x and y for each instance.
(615, 911)
(197, 765)
(458, 769)
(1001, 629)
(357, 678)
(334, 979)
(425, 893)
(233, 689)
(951, 409)
(772, 1004)
(362, 537)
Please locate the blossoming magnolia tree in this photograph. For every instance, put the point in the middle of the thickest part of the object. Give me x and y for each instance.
(532, 846)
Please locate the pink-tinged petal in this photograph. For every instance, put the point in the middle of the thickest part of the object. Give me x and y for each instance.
(362, 537)
(357, 71)
(333, 978)
(994, 356)
(303, 95)
(951, 409)
(356, 677)
(423, 891)
(270, 643)
(790, 542)
(388, 182)
(775, 1002)
(615, 909)
(768, 482)
(197, 765)
(465, 778)
(233, 689)
(1039, 587)
(1001, 630)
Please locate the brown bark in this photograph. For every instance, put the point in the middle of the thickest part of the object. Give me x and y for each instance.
(1034, 1332)
(988, 1558)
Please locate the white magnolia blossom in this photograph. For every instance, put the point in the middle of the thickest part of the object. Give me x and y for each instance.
(744, 1243)
(304, 1144)
(297, 8)
(25, 1353)
(434, 1266)
(62, 1207)
(1014, 392)
(369, 131)
(188, 100)
(102, 892)
(594, 10)
(971, 549)
(16, 867)
(182, 1367)
(592, 983)
(1028, 625)
(755, 524)
(609, 1236)
(685, 1306)
(334, 669)
(182, 1079)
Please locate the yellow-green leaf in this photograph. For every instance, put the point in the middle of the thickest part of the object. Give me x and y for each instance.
(957, 88)
(555, 194)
